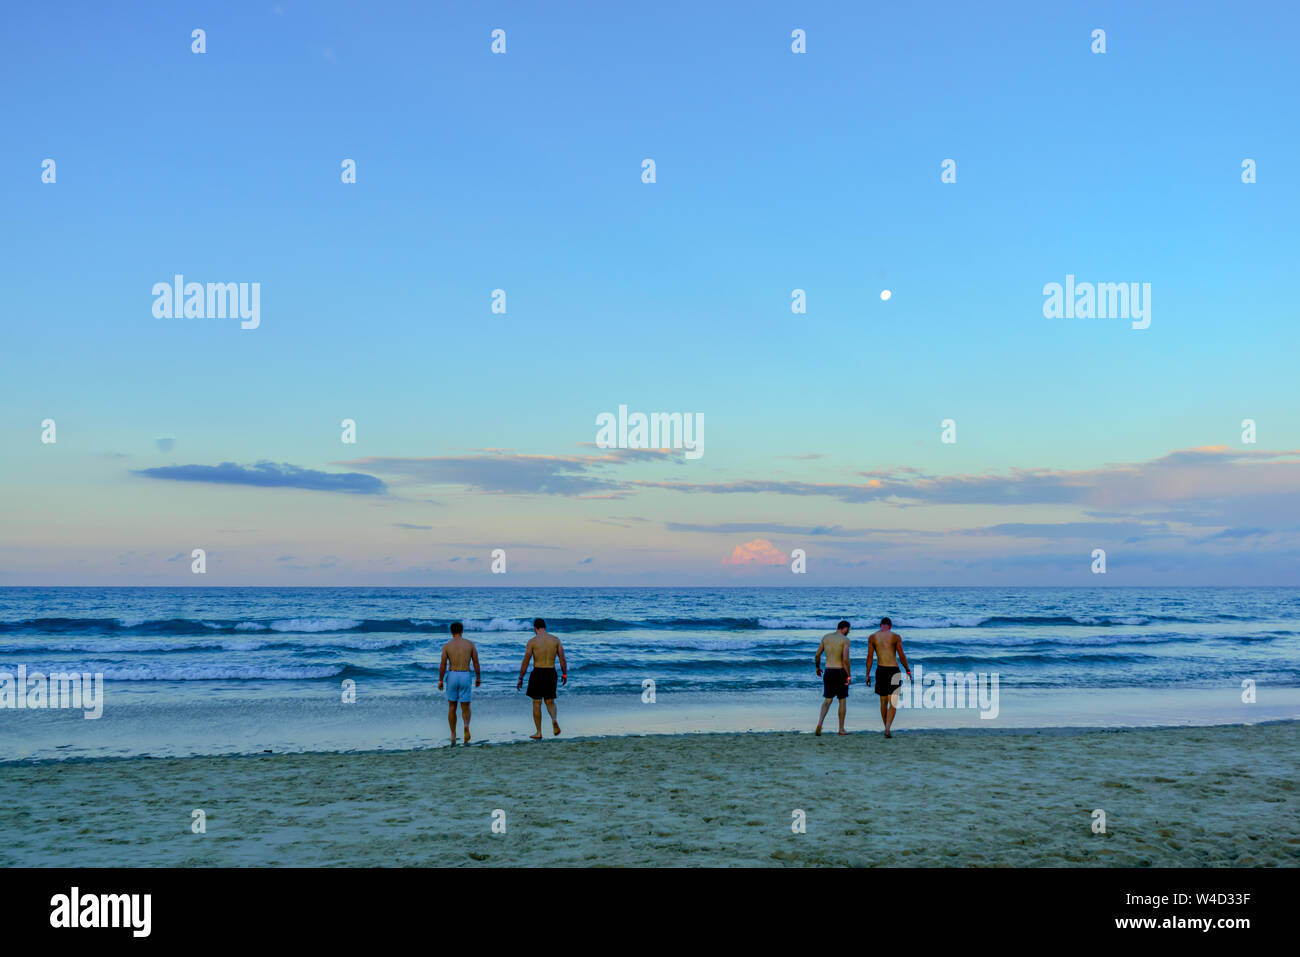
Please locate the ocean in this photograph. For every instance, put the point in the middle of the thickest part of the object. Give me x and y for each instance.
(228, 670)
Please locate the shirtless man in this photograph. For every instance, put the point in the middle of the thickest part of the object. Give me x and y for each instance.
(886, 644)
(835, 683)
(543, 649)
(458, 654)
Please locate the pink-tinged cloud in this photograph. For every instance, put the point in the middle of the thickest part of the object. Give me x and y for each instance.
(758, 552)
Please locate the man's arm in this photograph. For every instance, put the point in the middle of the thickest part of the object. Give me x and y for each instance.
(844, 658)
(898, 645)
(564, 666)
(442, 667)
(817, 658)
(871, 651)
(523, 668)
(478, 675)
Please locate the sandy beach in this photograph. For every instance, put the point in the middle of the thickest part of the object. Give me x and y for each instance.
(1194, 797)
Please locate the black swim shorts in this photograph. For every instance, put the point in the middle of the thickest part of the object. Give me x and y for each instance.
(885, 676)
(835, 683)
(541, 683)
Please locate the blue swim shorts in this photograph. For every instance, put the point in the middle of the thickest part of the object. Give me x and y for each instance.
(460, 686)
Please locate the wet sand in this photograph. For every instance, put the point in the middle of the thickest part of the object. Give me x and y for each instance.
(1193, 797)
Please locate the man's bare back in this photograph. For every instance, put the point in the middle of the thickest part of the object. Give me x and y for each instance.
(833, 645)
(885, 644)
(544, 648)
(459, 653)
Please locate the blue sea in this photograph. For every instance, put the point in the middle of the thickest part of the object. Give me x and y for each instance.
(220, 670)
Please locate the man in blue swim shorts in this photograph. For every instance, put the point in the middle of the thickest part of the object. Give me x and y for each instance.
(457, 655)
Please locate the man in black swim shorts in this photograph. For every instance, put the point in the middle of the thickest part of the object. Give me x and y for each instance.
(835, 682)
(543, 650)
(889, 647)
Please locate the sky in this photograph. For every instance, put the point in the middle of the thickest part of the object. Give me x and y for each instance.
(774, 171)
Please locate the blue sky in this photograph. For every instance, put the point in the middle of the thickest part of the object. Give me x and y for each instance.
(775, 171)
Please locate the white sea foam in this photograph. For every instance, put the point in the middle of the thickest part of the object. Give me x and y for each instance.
(828, 624)
(315, 624)
(1085, 620)
(498, 624)
(970, 621)
(722, 644)
(212, 672)
(358, 642)
(133, 645)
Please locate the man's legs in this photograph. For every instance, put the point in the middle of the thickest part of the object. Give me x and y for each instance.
(550, 708)
(537, 718)
(464, 712)
(887, 711)
(843, 705)
(826, 706)
(451, 719)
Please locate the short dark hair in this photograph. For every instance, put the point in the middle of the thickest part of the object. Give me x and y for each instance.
(539, 623)
(886, 622)
(843, 624)
(457, 628)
